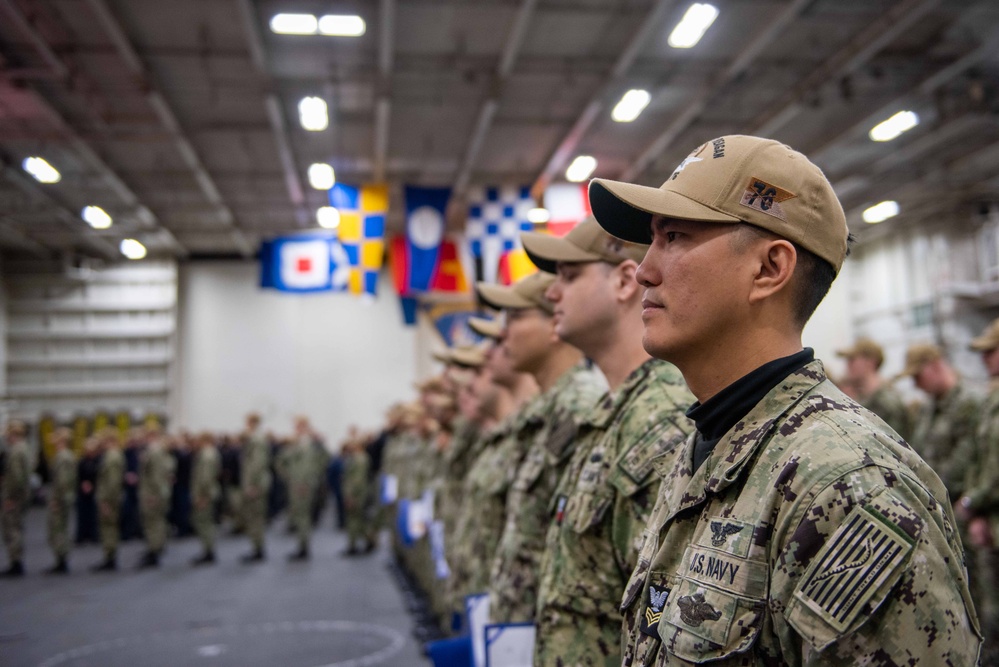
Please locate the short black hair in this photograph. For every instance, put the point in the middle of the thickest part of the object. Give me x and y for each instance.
(812, 280)
(813, 276)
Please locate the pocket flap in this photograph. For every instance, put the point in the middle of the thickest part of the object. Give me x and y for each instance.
(702, 624)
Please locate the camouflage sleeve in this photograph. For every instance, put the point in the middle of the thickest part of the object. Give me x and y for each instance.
(982, 491)
(16, 479)
(955, 472)
(871, 572)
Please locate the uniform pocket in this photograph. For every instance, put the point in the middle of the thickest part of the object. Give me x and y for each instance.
(702, 624)
(585, 511)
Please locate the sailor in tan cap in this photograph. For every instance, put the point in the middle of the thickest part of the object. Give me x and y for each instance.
(945, 431)
(793, 527)
(592, 547)
(863, 361)
(525, 464)
(979, 506)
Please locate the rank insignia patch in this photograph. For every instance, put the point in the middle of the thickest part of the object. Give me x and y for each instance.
(765, 198)
(654, 610)
(863, 555)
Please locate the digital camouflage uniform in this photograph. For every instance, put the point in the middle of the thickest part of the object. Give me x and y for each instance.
(255, 482)
(513, 580)
(356, 492)
(598, 513)
(205, 491)
(14, 496)
(887, 403)
(945, 436)
(465, 447)
(297, 466)
(156, 469)
(62, 497)
(480, 524)
(810, 535)
(982, 492)
(108, 494)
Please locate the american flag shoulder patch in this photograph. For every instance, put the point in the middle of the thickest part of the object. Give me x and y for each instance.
(858, 561)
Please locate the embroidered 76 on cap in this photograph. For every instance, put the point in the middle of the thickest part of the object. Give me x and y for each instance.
(734, 178)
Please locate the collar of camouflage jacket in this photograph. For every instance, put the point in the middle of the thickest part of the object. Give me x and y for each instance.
(727, 461)
(610, 404)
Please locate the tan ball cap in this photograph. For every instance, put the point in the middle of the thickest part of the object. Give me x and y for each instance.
(989, 340)
(472, 356)
(919, 355)
(587, 242)
(864, 347)
(527, 292)
(734, 178)
(486, 327)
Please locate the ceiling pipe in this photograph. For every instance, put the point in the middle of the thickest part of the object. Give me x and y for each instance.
(649, 24)
(742, 62)
(856, 53)
(55, 64)
(275, 113)
(383, 103)
(487, 112)
(169, 120)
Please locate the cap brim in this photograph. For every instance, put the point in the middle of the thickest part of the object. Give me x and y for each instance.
(982, 344)
(443, 357)
(546, 251)
(484, 327)
(625, 210)
(501, 296)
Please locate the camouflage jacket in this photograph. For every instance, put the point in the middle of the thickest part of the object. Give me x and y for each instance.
(480, 523)
(465, 447)
(355, 477)
(945, 437)
(513, 581)
(810, 535)
(255, 470)
(156, 468)
(63, 490)
(16, 485)
(110, 478)
(887, 403)
(205, 475)
(983, 467)
(296, 464)
(599, 511)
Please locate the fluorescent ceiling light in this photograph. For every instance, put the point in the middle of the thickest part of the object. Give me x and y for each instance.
(693, 25)
(889, 129)
(132, 249)
(328, 217)
(539, 215)
(294, 24)
(581, 168)
(631, 105)
(313, 114)
(41, 170)
(341, 25)
(881, 212)
(96, 217)
(321, 176)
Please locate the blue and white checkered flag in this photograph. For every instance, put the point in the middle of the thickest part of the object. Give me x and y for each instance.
(496, 217)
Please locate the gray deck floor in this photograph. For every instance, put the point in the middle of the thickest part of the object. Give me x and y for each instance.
(328, 611)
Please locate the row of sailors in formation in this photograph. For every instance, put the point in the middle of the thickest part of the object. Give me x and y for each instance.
(171, 483)
(539, 449)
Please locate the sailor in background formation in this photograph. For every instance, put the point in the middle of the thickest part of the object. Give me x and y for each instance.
(100, 477)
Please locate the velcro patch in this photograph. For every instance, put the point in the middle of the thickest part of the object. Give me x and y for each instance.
(858, 560)
(765, 198)
(655, 602)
